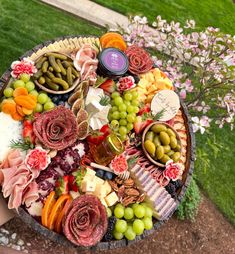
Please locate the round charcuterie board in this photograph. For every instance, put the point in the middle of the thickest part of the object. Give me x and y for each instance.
(97, 149)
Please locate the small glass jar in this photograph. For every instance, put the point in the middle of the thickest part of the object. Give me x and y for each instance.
(113, 63)
(105, 152)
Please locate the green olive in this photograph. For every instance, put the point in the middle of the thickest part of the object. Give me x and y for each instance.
(177, 149)
(170, 153)
(170, 132)
(156, 141)
(150, 147)
(157, 128)
(173, 142)
(176, 156)
(164, 138)
(149, 136)
(159, 152)
(167, 149)
(165, 159)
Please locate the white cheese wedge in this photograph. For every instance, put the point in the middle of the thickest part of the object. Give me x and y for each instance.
(93, 107)
(98, 180)
(90, 172)
(100, 191)
(94, 94)
(111, 199)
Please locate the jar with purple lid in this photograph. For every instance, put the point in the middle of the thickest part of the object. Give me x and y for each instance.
(113, 63)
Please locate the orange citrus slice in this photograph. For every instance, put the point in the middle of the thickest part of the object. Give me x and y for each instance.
(116, 43)
(56, 209)
(109, 36)
(50, 201)
(58, 223)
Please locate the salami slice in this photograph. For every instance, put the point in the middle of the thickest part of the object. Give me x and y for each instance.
(85, 222)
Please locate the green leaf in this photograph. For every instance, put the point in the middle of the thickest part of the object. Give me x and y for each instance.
(24, 145)
(104, 100)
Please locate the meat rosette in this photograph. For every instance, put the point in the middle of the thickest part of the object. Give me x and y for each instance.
(139, 60)
(56, 129)
(85, 222)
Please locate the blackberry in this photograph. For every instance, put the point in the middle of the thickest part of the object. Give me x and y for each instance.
(108, 236)
(177, 184)
(111, 223)
(171, 189)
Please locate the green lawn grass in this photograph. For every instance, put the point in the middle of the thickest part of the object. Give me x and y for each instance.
(26, 23)
(218, 13)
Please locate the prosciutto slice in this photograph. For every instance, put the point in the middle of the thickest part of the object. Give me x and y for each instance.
(86, 62)
(18, 182)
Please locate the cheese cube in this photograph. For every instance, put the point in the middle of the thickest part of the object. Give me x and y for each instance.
(100, 191)
(103, 202)
(111, 199)
(88, 186)
(107, 187)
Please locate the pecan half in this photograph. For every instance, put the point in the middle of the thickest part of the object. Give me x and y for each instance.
(114, 186)
(128, 200)
(132, 192)
(118, 180)
(129, 183)
(121, 192)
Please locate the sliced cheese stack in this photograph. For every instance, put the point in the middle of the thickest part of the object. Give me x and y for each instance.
(157, 196)
(91, 184)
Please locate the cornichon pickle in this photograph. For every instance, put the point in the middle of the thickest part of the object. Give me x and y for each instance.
(170, 132)
(177, 149)
(164, 138)
(167, 149)
(41, 80)
(38, 74)
(173, 142)
(51, 68)
(58, 75)
(63, 71)
(176, 156)
(170, 153)
(50, 74)
(40, 62)
(45, 66)
(157, 128)
(149, 136)
(67, 64)
(156, 141)
(52, 85)
(165, 159)
(61, 82)
(53, 63)
(150, 147)
(159, 152)
(75, 73)
(57, 55)
(69, 76)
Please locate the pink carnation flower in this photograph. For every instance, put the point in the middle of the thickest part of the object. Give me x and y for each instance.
(23, 66)
(173, 171)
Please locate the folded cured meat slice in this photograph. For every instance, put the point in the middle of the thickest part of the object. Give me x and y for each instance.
(85, 222)
(56, 129)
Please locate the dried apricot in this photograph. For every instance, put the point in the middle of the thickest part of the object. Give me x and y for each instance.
(17, 116)
(19, 110)
(20, 91)
(25, 101)
(116, 43)
(104, 39)
(27, 111)
(9, 108)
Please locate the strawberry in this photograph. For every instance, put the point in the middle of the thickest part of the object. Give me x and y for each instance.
(105, 129)
(95, 138)
(62, 185)
(144, 109)
(72, 183)
(141, 123)
(28, 133)
(108, 86)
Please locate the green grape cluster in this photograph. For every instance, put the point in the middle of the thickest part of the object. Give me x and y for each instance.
(122, 115)
(132, 220)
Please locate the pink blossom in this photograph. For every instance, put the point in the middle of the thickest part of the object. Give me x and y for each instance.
(173, 171)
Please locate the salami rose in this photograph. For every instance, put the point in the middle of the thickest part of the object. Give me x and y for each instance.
(57, 128)
(139, 60)
(85, 222)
